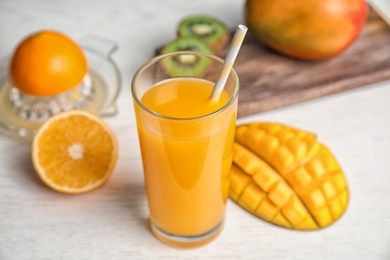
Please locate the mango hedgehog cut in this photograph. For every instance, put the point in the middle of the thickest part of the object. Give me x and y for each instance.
(286, 177)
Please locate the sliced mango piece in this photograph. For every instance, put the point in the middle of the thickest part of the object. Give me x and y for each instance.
(252, 196)
(286, 177)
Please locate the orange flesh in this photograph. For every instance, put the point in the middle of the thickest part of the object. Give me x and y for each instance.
(73, 171)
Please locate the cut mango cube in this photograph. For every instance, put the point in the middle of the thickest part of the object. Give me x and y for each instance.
(286, 177)
(299, 179)
(239, 180)
(252, 196)
(280, 220)
(295, 212)
(280, 194)
(266, 210)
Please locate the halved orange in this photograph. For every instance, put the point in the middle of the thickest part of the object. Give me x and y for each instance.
(74, 152)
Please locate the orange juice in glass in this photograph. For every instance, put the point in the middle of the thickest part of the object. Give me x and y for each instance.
(186, 145)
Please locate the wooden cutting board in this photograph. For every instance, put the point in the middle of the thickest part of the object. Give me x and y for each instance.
(270, 80)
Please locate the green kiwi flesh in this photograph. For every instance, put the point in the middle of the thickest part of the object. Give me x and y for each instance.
(209, 29)
(186, 64)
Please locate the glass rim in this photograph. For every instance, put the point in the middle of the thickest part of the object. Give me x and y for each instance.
(162, 56)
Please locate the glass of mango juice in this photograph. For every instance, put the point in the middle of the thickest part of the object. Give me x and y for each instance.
(186, 143)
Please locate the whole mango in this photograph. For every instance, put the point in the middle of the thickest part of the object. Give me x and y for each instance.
(306, 29)
(286, 177)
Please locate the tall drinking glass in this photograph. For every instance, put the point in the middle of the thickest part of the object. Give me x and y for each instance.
(186, 144)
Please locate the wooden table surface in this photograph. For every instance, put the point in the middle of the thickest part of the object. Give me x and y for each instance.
(110, 223)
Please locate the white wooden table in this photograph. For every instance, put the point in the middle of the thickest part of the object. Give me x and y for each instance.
(110, 223)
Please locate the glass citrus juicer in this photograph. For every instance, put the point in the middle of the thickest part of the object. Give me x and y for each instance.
(22, 114)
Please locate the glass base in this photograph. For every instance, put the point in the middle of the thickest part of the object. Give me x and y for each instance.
(185, 242)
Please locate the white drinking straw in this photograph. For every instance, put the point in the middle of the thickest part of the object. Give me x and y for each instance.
(229, 61)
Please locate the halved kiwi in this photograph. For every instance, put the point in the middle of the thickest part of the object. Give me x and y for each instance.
(186, 64)
(209, 29)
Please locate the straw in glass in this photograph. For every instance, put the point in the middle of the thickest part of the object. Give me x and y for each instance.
(229, 61)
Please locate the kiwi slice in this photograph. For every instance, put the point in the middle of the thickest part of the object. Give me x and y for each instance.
(209, 29)
(186, 64)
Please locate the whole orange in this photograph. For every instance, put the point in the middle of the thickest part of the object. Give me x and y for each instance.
(47, 63)
(306, 29)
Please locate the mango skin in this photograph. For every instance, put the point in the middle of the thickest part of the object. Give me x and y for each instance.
(306, 29)
(286, 177)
